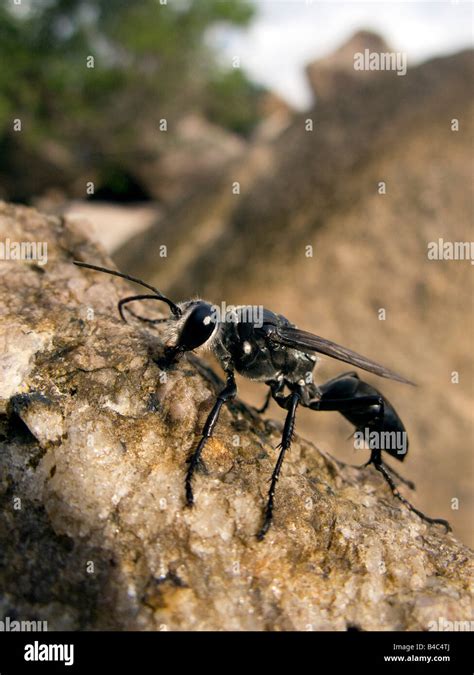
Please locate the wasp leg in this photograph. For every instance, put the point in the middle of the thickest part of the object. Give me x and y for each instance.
(266, 403)
(290, 403)
(275, 387)
(381, 467)
(409, 483)
(229, 392)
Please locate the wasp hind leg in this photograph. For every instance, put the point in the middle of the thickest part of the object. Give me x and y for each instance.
(382, 468)
(409, 483)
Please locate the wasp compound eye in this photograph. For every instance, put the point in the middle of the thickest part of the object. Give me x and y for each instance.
(198, 327)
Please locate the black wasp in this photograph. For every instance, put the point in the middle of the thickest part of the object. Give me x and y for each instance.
(264, 346)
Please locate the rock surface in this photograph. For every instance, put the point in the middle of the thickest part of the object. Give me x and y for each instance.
(94, 441)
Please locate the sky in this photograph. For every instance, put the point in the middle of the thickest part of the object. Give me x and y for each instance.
(287, 34)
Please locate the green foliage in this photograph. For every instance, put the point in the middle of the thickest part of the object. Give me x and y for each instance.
(151, 61)
(232, 101)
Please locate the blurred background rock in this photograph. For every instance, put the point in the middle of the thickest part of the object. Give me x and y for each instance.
(103, 126)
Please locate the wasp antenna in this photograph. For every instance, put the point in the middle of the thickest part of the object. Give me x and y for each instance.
(176, 311)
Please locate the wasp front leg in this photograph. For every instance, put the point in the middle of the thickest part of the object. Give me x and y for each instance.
(228, 393)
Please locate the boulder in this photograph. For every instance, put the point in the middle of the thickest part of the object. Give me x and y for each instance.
(94, 442)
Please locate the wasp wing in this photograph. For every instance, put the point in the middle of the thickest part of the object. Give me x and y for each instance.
(300, 339)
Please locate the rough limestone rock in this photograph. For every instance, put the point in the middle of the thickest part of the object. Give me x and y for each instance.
(94, 441)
